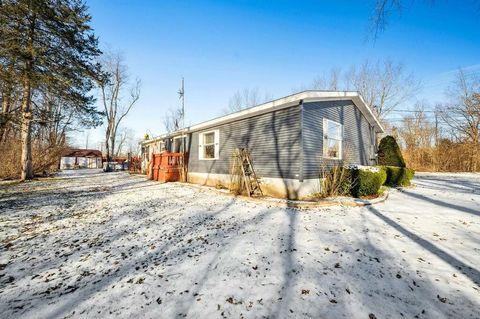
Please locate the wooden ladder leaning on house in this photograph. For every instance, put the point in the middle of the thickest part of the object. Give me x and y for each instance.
(249, 176)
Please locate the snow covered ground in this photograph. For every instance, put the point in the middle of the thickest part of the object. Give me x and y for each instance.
(89, 244)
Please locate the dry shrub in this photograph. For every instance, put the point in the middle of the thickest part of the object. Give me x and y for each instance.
(10, 159)
(446, 157)
(45, 158)
(335, 181)
(421, 159)
(458, 157)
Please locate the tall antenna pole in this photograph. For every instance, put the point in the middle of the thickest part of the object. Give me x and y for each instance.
(181, 94)
(183, 103)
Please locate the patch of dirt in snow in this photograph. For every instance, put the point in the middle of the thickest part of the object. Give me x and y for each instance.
(89, 244)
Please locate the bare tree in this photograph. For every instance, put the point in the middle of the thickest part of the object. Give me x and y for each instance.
(245, 98)
(113, 88)
(418, 136)
(125, 136)
(384, 85)
(448, 137)
(385, 8)
(134, 146)
(330, 82)
(462, 113)
(381, 15)
(173, 119)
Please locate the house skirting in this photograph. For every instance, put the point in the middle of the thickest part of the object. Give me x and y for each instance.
(275, 187)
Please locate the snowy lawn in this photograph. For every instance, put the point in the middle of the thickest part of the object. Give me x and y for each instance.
(89, 244)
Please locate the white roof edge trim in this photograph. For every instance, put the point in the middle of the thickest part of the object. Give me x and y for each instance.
(307, 96)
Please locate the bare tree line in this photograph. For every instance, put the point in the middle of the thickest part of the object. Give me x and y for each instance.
(383, 84)
(445, 138)
(246, 98)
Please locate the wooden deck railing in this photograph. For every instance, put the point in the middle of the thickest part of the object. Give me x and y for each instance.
(168, 167)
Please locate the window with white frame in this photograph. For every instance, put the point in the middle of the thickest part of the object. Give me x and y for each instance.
(332, 139)
(208, 145)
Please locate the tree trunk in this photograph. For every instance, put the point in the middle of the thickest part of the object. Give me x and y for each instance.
(26, 130)
(112, 145)
(107, 149)
(6, 105)
(5, 113)
(26, 127)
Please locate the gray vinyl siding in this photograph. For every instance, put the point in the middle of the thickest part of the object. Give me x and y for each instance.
(273, 140)
(358, 135)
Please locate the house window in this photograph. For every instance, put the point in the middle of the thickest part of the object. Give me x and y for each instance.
(332, 139)
(146, 153)
(178, 144)
(208, 145)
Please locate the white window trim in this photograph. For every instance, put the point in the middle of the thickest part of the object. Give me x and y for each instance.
(216, 144)
(326, 138)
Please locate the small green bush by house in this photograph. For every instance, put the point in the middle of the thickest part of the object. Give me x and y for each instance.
(367, 182)
(345, 188)
(389, 153)
(383, 174)
(398, 176)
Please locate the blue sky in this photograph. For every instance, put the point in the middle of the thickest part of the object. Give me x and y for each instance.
(224, 46)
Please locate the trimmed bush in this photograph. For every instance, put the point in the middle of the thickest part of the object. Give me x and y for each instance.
(367, 182)
(383, 174)
(398, 176)
(389, 153)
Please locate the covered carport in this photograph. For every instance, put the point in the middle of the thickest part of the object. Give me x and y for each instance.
(81, 158)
